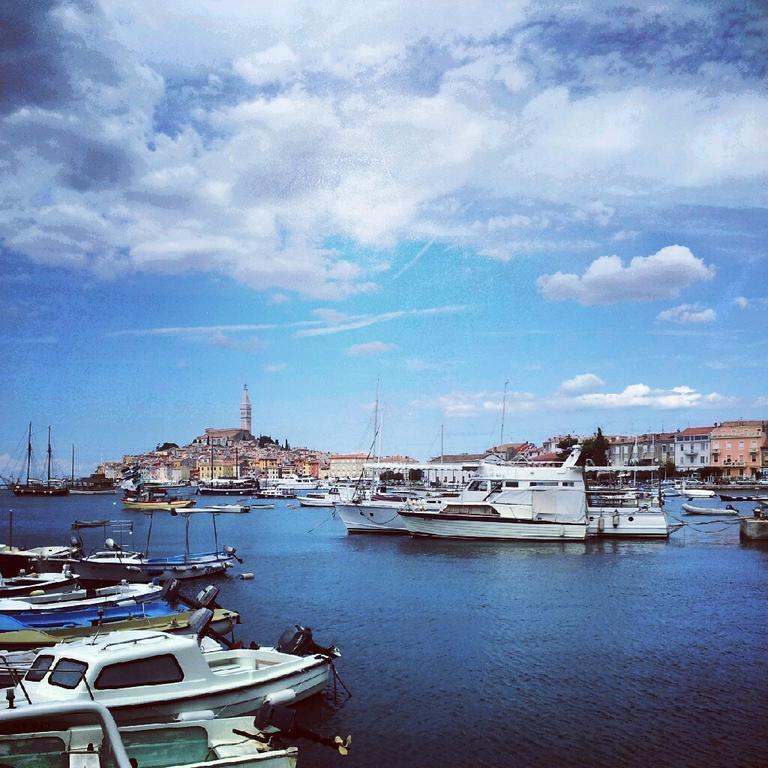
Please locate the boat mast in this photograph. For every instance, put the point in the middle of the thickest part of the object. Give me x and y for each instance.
(503, 411)
(49, 454)
(73, 463)
(29, 451)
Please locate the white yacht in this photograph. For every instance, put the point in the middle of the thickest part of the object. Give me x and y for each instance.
(142, 675)
(295, 483)
(531, 514)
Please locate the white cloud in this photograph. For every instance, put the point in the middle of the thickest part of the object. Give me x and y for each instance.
(582, 383)
(275, 367)
(632, 396)
(687, 313)
(641, 395)
(240, 138)
(607, 281)
(370, 348)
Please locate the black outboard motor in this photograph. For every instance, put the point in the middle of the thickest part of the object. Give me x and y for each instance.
(298, 641)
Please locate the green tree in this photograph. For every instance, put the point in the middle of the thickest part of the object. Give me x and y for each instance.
(166, 446)
(595, 450)
(415, 475)
(565, 446)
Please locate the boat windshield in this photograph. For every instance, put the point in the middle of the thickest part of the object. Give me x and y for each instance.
(68, 673)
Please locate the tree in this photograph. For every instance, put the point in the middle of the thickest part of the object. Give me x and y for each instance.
(265, 440)
(415, 475)
(286, 447)
(595, 450)
(565, 446)
(166, 446)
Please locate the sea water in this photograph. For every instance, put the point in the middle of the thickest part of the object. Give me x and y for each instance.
(606, 653)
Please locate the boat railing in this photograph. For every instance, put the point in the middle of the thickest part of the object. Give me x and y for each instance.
(26, 717)
(135, 640)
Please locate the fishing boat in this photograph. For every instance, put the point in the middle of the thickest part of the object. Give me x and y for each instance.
(37, 487)
(157, 498)
(533, 514)
(44, 735)
(15, 560)
(146, 676)
(114, 563)
(691, 509)
(118, 593)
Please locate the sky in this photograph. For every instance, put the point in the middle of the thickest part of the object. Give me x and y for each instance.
(518, 219)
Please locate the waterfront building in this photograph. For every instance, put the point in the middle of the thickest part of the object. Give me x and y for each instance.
(347, 465)
(737, 448)
(692, 449)
(223, 468)
(620, 449)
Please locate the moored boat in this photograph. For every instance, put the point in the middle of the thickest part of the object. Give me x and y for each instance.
(49, 737)
(39, 584)
(728, 510)
(534, 514)
(146, 676)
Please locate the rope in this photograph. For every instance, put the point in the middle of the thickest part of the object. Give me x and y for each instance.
(312, 530)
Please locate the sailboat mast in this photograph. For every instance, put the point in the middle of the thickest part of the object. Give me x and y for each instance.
(49, 454)
(73, 463)
(503, 411)
(29, 451)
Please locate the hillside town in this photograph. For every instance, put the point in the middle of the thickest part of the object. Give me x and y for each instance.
(724, 451)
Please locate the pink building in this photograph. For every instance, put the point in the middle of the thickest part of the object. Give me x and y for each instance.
(736, 448)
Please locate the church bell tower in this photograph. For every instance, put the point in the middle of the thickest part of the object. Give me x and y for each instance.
(245, 411)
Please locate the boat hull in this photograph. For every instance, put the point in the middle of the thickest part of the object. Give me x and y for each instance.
(39, 490)
(235, 701)
(370, 518)
(461, 526)
(628, 524)
(159, 505)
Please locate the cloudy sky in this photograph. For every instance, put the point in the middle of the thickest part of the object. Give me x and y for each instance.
(564, 199)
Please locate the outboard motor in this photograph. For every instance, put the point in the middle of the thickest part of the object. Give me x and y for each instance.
(206, 598)
(298, 641)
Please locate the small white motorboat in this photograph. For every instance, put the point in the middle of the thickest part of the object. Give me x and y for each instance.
(691, 509)
(119, 594)
(33, 584)
(46, 734)
(696, 493)
(146, 676)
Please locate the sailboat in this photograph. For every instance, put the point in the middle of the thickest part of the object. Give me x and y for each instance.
(37, 487)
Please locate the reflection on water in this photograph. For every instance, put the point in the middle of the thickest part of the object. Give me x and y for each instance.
(601, 653)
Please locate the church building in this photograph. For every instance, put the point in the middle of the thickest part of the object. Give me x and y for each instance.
(229, 436)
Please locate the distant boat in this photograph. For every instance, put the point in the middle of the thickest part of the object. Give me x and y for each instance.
(38, 487)
(690, 509)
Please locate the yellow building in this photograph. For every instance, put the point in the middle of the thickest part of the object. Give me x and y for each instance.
(222, 468)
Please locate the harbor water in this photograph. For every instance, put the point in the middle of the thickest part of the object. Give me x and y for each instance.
(606, 653)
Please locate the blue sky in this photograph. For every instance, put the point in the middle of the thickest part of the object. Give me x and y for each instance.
(570, 198)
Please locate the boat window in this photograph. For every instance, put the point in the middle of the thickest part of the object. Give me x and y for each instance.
(511, 484)
(68, 673)
(543, 482)
(38, 669)
(477, 485)
(156, 670)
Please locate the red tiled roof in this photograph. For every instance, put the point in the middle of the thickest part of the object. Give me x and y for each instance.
(696, 431)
